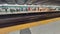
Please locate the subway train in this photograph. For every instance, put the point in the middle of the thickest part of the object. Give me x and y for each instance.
(15, 9)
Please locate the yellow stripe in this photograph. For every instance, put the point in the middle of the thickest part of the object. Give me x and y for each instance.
(28, 25)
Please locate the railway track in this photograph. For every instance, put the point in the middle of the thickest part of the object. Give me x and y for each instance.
(11, 20)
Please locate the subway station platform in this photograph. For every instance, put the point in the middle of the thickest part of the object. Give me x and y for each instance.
(28, 25)
(50, 28)
(23, 21)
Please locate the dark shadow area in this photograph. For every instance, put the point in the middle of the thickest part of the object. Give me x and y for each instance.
(18, 19)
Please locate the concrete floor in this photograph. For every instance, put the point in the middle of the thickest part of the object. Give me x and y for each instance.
(51, 28)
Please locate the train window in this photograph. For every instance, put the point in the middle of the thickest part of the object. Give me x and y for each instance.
(5, 9)
(21, 9)
(12, 10)
(58, 8)
(2, 10)
(25, 9)
(34, 9)
(29, 9)
(8, 10)
(18, 9)
(37, 8)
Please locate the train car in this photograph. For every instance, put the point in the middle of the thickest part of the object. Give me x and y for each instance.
(15, 9)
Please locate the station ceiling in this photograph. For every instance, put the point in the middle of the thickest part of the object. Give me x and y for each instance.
(50, 2)
(46, 2)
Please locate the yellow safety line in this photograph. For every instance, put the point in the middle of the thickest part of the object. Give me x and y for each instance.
(28, 25)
